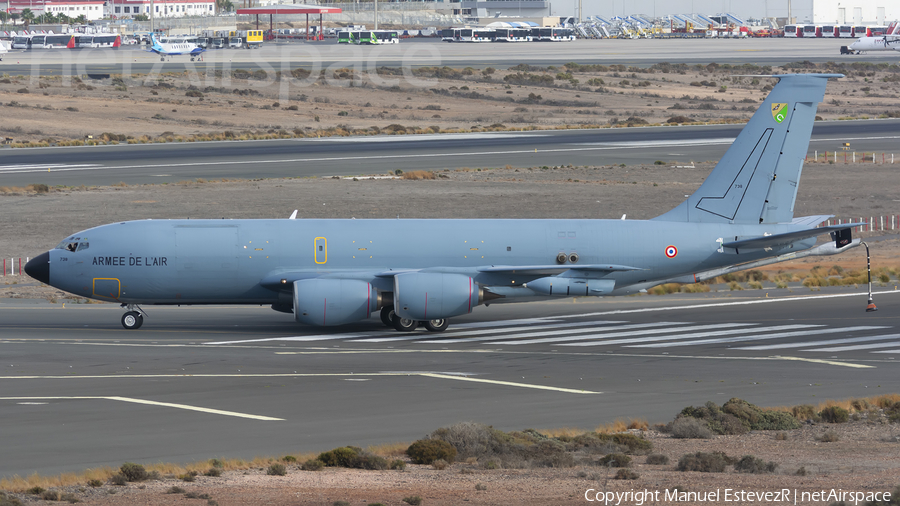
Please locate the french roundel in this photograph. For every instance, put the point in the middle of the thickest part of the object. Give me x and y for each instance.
(671, 251)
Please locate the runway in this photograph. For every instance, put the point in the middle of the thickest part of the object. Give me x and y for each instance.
(160, 163)
(314, 56)
(199, 382)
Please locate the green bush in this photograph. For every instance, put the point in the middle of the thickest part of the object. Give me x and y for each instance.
(413, 500)
(118, 479)
(213, 472)
(713, 462)
(312, 465)
(398, 465)
(175, 489)
(626, 474)
(95, 483)
(133, 472)
(426, 451)
(340, 457)
(690, 428)
(289, 458)
(615, 460)
(276, 469)
(835, 414)
(657, 459)
(754, 465)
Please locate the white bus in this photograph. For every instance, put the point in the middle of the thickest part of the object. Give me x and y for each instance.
(553, 34)
(512, 35)
(793, 31)
(467, 35)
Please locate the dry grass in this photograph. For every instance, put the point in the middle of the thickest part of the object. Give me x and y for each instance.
(419, 174)
(389, 450)
(850, 403)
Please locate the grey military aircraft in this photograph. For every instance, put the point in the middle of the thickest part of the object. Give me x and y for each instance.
(332, 272)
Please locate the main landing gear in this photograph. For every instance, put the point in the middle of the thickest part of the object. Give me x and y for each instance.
(132, 320)
(390, 319)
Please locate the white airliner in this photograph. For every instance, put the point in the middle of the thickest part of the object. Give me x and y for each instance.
(889, 41)
(174, 47)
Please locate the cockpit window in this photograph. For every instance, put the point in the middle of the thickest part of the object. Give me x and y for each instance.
(73, 246)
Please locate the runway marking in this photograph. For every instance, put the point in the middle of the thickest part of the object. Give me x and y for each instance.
(726, 304)
(425, 137)
(319, 337)
(347, 376)
(819, 343)
(153, 403)
(759, 337)
(626, 334)
(887, 351)
(827, 362)
(601, 329)
(859, 347)
(34, 167)
(690, 336)
(483, 332)
(509, 383)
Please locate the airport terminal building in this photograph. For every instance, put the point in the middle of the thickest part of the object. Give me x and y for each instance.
(855, 12)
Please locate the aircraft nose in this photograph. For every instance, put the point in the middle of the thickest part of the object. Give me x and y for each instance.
(39, 268)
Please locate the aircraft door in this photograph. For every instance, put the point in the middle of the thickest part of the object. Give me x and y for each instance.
(320, 250)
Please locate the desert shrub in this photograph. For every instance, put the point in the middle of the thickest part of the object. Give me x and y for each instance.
(440, 464)
(340, 457)
(95, 483)
(370, 462)
(805, 412)
(426, 451)
(213, 472)
(690, 428)
(829, 437)
(413, 500)
(50, 495)
(175, 489)
(194, 94)
(835, 414)
(754, 465)
(481, 487)
(398, 464)
(118, 479)
(615, 460)
(626, 474)
(35, 490)
(657, 459)
(633, 444)
(40, 188)
(133, 472)
(69, 497)
(801, 471)
(276, 469)
(725, 420)
(289, 458)
(781, 436)
(312, 465)
(713, 462)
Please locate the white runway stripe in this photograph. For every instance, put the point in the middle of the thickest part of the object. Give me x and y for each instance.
(691, 336)
(321, 337)
(758, 337)
(892, 344)
(571, 331)
(416, 335)
(804, 344)
(639, 332)
(502, 323)
(887, 351)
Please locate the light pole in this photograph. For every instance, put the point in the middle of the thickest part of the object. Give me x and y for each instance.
(871, 305)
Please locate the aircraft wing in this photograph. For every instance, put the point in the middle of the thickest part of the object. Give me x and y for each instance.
(553, 269)
(775, 240)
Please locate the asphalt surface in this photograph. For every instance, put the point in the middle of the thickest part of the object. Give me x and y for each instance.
(158, 163)
(79, 391)
(431, 52)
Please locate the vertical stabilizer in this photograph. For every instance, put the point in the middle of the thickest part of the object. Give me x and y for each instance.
(756, 180)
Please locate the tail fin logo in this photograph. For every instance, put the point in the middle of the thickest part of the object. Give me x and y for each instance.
(779, 112)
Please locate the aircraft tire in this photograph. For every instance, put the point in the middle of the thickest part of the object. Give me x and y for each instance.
(132, 320)
(438, 325)
(403, 324)
(387, 316)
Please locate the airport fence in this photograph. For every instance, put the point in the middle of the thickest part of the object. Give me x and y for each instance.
(14, 266)
(847, 156)
(886, 223)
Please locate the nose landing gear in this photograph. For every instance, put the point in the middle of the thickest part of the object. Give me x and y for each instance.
(132, 320)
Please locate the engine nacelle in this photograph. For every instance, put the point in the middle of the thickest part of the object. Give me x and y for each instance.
(333, 301)
(433, 295)
(571, 287)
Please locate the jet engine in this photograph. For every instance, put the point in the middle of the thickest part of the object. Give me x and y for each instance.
(570, 287)
(434, 295)
(333, 301)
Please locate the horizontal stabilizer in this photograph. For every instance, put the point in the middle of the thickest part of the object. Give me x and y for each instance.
(776, 240)
(551, 270)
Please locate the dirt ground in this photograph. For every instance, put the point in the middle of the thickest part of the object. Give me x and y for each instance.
(863, 460)
(182, 106)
